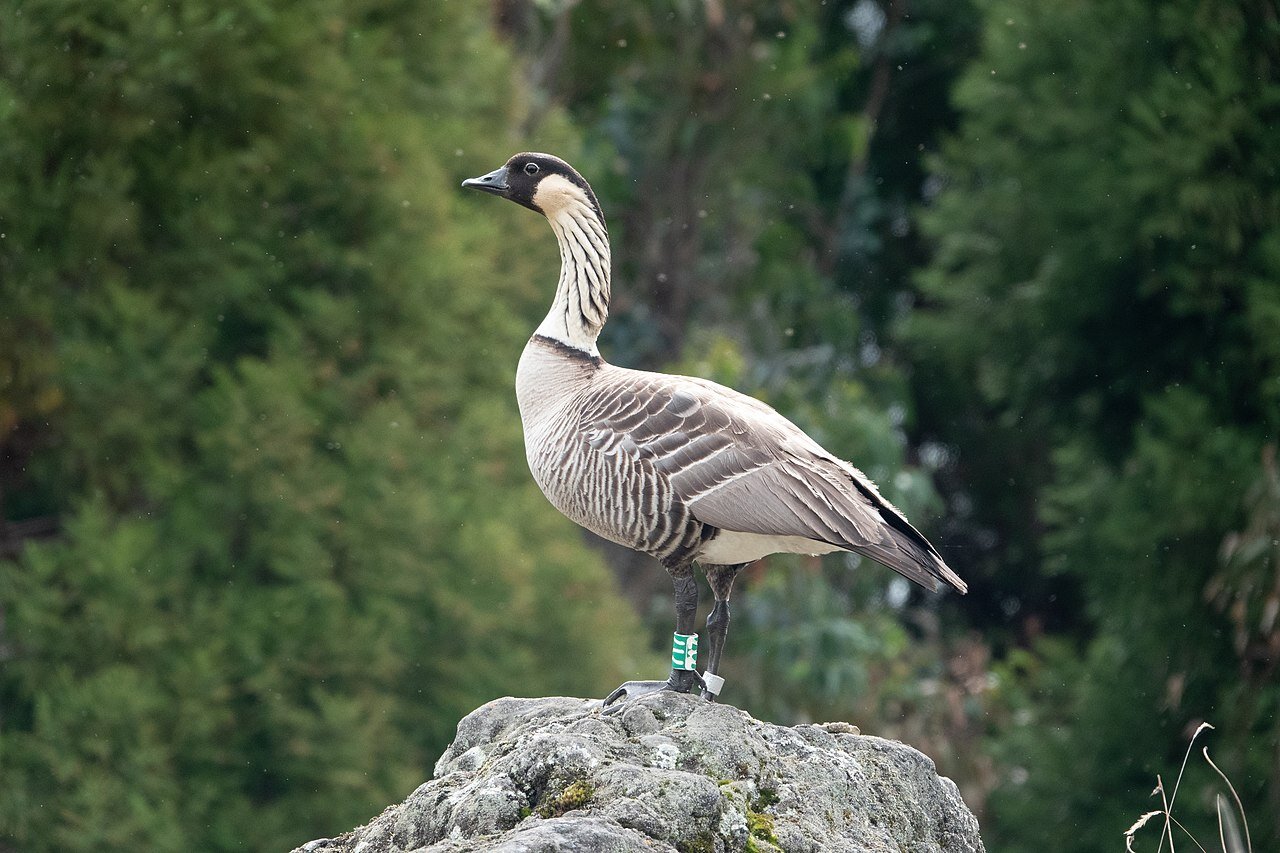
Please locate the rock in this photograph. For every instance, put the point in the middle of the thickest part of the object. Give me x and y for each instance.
(669, 773)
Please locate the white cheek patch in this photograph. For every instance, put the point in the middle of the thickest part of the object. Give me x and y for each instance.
(556, 193)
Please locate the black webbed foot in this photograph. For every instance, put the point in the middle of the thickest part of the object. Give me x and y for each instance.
(630, 690)
(680, 681)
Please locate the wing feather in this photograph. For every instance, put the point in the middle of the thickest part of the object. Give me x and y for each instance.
(739, 465)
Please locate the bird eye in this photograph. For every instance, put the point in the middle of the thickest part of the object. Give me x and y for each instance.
(531, 168)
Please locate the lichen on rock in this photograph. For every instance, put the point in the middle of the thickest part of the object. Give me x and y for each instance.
(671, 773)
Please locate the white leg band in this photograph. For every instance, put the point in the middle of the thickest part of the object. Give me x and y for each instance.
(712, 682)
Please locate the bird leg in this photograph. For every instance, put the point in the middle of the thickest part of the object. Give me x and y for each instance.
(721, 580)
(683, 679)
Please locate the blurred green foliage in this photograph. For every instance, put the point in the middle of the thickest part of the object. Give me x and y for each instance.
(268, 525)
(1110, 222)
(257, 362)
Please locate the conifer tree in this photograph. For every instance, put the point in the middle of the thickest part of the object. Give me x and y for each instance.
(255, 369)
(1104, 313)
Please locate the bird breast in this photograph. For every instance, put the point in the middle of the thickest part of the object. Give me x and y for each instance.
(606, 489)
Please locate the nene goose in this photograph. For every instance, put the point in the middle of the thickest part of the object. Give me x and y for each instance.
(673, 466)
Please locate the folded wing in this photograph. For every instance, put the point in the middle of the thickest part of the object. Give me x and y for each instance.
(738, 465)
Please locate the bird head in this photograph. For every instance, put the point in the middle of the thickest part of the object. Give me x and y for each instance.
(539, 182)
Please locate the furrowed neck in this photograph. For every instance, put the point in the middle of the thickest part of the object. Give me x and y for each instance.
(581, 304)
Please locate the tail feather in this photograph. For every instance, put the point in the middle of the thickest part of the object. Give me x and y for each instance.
(908, 553)
(913, 563)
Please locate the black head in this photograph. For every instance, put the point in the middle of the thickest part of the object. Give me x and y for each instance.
(519, 180)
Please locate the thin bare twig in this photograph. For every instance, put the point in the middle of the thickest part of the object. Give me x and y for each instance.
(1168, 806)
(1187, 833)
(1248, 841)
(1183, 769)
(1228, 829)
(1164, 801)
(1222, 838)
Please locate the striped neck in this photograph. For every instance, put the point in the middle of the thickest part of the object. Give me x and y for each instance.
(581, 304)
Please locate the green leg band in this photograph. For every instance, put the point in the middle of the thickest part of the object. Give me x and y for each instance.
(684, 651)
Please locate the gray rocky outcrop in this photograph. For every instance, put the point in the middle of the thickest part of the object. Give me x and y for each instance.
(670, 772)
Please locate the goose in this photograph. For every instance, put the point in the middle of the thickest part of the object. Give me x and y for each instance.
(677, 467)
